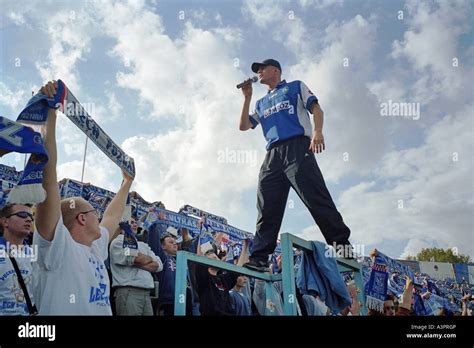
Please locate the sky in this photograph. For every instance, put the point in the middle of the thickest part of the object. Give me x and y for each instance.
(159, 78)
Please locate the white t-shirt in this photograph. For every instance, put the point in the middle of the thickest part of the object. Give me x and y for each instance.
(72, 277)
(12, 299)
(123, 271)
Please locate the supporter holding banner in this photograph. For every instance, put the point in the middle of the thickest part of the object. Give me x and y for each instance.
(72, 244)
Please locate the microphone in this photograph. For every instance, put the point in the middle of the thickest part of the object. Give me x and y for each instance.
(250, 80)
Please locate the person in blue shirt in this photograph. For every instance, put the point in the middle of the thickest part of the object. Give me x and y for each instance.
(165, 247)
(289, 162)
(240, 295)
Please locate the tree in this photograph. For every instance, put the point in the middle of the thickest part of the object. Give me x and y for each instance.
(440, 255)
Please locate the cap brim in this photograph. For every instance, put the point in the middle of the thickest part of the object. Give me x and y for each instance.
(255, 67)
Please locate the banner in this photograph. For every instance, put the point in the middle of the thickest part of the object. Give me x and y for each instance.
(190, 210)
(36, 112)
(9, 177)
(179, 220)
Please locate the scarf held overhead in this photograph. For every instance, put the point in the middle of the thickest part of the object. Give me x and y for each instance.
(376, 289)
(36, 112)
(15, 137)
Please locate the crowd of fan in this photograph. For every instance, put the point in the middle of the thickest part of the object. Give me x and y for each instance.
(144, 283)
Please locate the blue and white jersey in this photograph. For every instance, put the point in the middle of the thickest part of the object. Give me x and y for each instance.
(283, 112)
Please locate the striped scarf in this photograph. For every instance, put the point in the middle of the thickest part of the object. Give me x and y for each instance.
(376, 289)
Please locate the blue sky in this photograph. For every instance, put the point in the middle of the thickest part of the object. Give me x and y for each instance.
(161, 76)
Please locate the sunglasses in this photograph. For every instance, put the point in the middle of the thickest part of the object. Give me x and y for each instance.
(389, 307)
(23, 215)
(88, 211)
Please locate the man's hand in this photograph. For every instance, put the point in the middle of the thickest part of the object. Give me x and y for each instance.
(50, 89)
(126, 177)
(278, 260)
(247, 90)
(409, 283)
(317, 142)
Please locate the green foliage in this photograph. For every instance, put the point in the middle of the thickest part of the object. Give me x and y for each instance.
(440, 255)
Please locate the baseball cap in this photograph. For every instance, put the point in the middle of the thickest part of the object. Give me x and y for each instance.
(271, 62)
(172, 231)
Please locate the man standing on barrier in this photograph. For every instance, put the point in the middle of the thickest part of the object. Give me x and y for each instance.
(289, 162)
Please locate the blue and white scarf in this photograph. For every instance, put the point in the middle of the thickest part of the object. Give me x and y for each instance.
(205, 238)
(418, 304)
(433, 304)
(130, 241)
(190, 210)
(15, 137)
(376, 289)
(230, 254)
(178, 221)
(36, 112)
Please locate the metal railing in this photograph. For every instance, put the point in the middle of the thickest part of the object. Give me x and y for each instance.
(287, 276)
(288, 241)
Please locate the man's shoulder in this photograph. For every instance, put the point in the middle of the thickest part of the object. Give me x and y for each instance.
(118, 239)
(60, 232)
(295, 84)
(143, 245)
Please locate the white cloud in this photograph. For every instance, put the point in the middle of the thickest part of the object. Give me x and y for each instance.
(320, 4)
(427, 193)
(414, 246)
(310, 233)
(430, 45)
(70, 35)
(338, 75)
(13, 99)
(263, 13)
(110, 112)
(99, 170)
(17, 18)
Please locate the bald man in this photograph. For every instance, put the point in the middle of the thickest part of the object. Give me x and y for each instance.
(72, 244)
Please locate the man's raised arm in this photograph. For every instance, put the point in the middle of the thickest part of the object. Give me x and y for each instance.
(48, 212)
(114, 212)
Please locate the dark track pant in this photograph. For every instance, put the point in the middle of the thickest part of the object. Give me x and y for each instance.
(291, 164)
